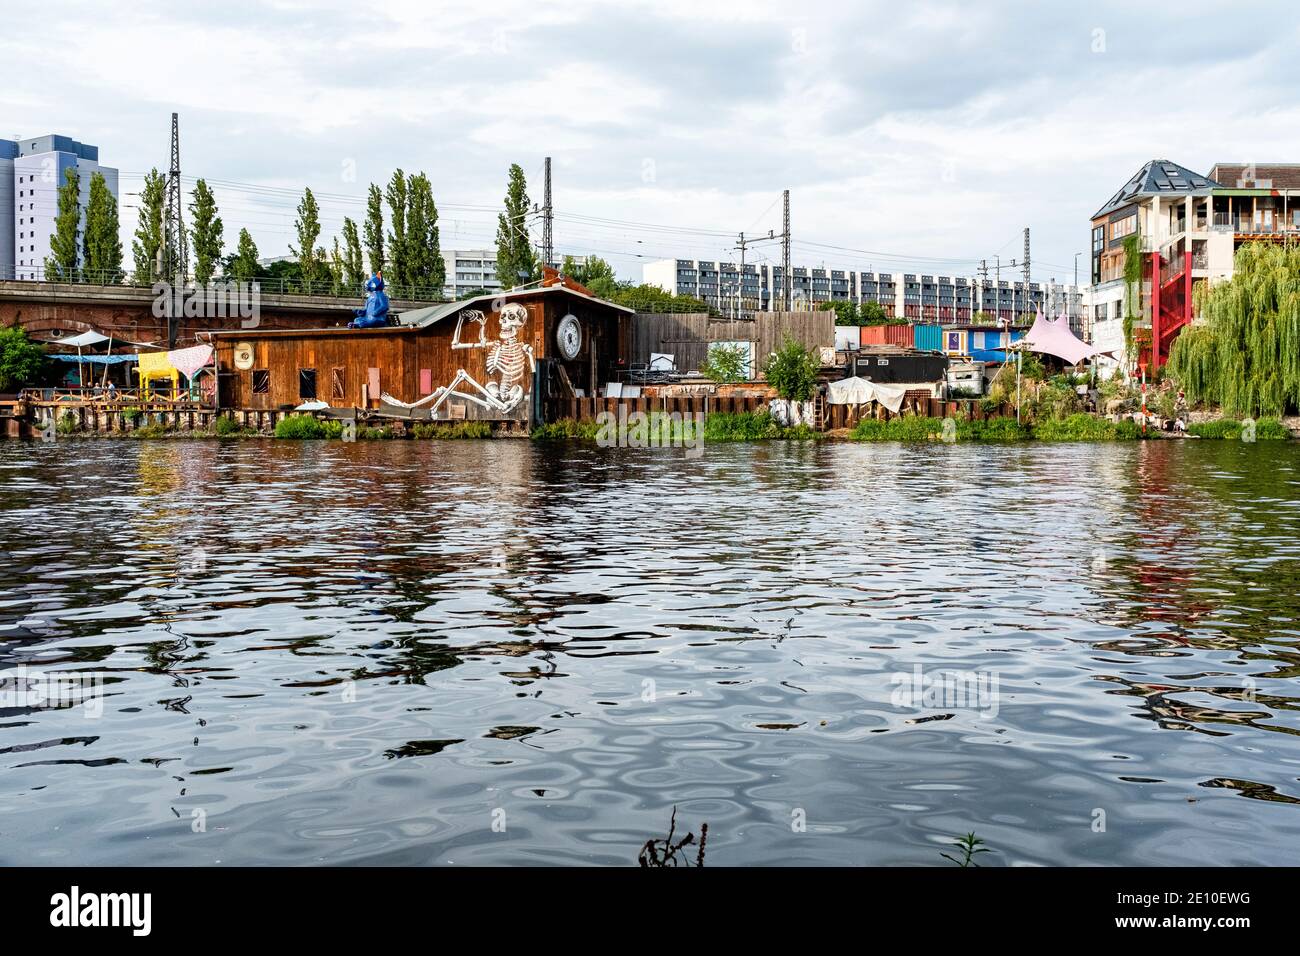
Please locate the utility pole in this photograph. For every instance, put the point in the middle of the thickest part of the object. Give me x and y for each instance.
(548, 246)
(1025, 264)
(175, 254)
(740, 282)
(786, 279)
(977, 301)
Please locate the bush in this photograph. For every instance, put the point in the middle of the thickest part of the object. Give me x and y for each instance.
(453, 430)
(1001, 428)
(373, 432)
(156, 430)
(225, 427)
(22, 361)
(301, 427)
(67, 423)
(792, 371)
(1266, 429)
(741, 426)
(905, 428)
(1219, 428)
(566, 428)
(1085, 427)
(725, 363)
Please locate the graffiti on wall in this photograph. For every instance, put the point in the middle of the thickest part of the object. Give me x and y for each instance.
(510, 362)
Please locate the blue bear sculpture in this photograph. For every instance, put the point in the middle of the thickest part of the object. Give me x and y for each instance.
(375, 313)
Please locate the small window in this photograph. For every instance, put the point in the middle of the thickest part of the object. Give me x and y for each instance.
(337, 383)
(261, 381)
(307, 383)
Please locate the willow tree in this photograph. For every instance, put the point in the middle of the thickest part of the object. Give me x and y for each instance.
(1245, 356)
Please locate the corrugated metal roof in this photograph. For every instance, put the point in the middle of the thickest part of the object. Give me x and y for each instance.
(435, 313)
(1159, 177)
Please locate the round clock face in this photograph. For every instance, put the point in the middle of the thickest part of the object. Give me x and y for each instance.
(569, 337)
(244, 356)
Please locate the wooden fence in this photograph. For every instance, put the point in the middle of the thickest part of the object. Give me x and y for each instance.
(686, 336)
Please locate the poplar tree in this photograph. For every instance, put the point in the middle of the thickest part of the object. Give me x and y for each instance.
(354, 270)
(374, 228)
(426, 267)
(307, 226)
(243, 266)
(398, 248)
(61, 266)
(516, 263)
(149, 230)
(102, 249)
(206, 232)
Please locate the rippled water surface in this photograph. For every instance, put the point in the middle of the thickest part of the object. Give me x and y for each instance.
(499, 652)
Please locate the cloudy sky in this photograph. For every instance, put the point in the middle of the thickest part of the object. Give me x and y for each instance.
(918, 136)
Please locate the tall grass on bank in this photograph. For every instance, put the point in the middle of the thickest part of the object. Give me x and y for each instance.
(1085, 427)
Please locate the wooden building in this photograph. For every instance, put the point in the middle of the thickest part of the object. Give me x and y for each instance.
(493, 357)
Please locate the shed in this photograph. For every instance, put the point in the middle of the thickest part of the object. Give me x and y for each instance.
(483, 358)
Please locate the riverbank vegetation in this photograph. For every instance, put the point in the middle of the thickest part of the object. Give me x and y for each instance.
(1245, 357)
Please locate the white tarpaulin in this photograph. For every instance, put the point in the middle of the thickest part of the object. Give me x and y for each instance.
(860, 391)
(84, 339)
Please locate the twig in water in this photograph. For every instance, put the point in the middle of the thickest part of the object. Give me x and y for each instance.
(658, 853)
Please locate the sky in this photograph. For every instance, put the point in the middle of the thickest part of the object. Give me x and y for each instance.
(912, 137)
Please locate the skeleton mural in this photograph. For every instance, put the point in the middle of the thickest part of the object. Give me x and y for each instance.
(508, 357)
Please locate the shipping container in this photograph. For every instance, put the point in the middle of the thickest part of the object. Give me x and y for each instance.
(900, 335)
(928, 338)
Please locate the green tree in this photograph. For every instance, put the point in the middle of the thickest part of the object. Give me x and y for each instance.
(1245, 355)
(206, 231)
(872, 313)
(354, 276)
(243, 266)
(310, 260)
(61, 266)
(726, 362)
(149, 229)
(591, 272)
(846, 313)
(792, 371)
(22, 361)
(398, 247)
(103, 245)
(374, 228)
(337, 269)
(516, 263)
(425, 265)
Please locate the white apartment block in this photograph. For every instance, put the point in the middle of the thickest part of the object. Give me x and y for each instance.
(469, 270)
(31, 173)
(907, 295)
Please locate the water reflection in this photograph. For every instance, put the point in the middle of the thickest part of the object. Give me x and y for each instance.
(374, 652)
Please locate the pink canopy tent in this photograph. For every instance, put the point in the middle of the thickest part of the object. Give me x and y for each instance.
(1053, 337)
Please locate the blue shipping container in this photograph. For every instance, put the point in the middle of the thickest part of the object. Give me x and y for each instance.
(929, 338)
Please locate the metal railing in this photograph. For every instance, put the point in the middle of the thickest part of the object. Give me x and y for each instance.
(265, 285)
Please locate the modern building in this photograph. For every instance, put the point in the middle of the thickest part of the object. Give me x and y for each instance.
(1186, 228)
(469, 270)
(924, 298)
(31, 173)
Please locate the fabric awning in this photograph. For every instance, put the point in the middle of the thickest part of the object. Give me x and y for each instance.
(82, 340)
(96, 359)
(1053, 337)
(860, 391)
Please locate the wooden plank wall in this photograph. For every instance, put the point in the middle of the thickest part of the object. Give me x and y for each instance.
(686, 336)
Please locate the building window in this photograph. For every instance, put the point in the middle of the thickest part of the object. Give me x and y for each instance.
(261, 381)
(307, 383)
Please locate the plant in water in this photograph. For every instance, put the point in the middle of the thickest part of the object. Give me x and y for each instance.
(67, 423)
(657, 853)
(969, 845)
(299, 427)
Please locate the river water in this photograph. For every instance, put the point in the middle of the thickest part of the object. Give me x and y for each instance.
(511, 653)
